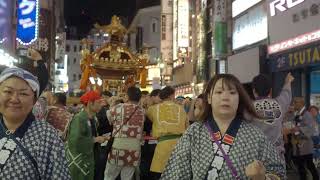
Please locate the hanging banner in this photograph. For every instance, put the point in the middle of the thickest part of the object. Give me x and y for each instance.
(27, 21)
(220, 31)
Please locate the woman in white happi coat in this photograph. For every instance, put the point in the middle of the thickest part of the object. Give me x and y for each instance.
(29, 149)
(224, 145)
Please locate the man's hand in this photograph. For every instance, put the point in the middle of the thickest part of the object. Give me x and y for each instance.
(34, 55)
(289, 78)
(256, 170)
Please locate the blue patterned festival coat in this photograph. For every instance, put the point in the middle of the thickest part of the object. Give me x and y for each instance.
(46, 147)
(194, 153)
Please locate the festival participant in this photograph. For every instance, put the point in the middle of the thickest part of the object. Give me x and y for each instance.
(196, 109)
(103, 128)
(149, 145)
(127, 120)
(301, 140)
(58, 116)
(224, 145)
(81, 137)
(272, 110)
(169, 122)
(29, 149)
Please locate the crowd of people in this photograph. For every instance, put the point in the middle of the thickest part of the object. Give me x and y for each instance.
(221, 134)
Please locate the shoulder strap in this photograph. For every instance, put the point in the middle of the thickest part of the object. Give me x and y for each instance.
(65, 133)
(225, 156)
(28, 155)
(125, 122)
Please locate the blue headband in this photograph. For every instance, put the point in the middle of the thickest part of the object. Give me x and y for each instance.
(23, 74)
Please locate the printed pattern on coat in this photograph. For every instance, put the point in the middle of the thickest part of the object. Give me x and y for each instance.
(44, 144)
(133, 129)
(194, 152)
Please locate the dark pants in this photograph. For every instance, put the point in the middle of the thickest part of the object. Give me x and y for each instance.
(303, 162)
(155, 176)
(147, 151)
(100, 162)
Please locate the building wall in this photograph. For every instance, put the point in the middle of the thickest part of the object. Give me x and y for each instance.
(73, 63)
(183, 75)
(148, 20)
(244, 45)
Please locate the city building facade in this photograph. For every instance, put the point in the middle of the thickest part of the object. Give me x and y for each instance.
(144, 38)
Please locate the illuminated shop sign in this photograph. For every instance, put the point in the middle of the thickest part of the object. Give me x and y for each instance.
(27, 21)
(250, 28)
(300, 58)
(294, 42)
(239, 6)
(283, 5)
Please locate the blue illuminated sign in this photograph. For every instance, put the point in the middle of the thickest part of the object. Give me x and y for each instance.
(27, 25)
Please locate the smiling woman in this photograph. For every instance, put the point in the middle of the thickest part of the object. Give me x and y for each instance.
(32, 147)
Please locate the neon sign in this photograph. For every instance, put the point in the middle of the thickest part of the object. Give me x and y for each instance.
(283, 5)
(27, 26)
(294, 42)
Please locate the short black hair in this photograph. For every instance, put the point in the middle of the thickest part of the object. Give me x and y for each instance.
(262, 85)
(61, 98)
(144, 93)
(134, 94)
(166, 92)
(155, 92)
(107, 93)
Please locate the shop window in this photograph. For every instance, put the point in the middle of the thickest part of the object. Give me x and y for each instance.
(74, 60)
(79, 76)
(74, 77)
(74, 48)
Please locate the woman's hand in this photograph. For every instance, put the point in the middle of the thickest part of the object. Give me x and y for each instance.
(256, 170)
(34, 55)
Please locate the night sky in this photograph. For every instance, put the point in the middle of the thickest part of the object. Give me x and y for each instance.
(84, 13)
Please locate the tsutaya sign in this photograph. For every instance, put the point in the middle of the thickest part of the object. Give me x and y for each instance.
(283, 5)
(27, 27)
(307, 56)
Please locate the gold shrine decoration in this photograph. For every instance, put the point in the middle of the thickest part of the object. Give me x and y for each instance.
(143, 78)
(114, 61)
(86, 66)
(115, 28)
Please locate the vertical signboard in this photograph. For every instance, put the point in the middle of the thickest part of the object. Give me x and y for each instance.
(167, 35)
(43, 42)
(220, 30)
(183, 23)
(175, 30)
(27, 17)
